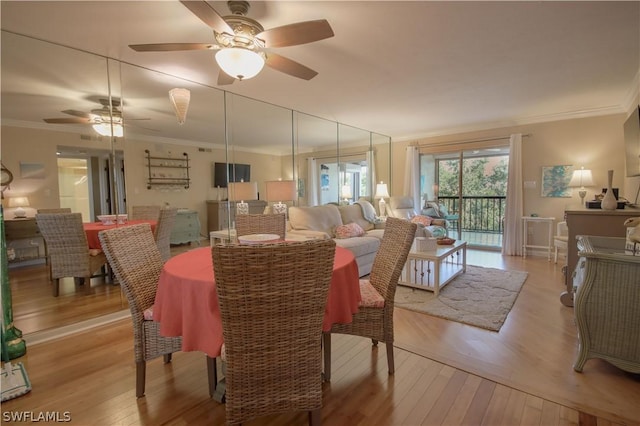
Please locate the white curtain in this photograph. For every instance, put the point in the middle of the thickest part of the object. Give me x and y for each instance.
(372, 173)
(512, 237)
(313, 186)
(412, 175)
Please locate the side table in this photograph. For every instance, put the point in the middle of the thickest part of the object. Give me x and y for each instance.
(525, 234)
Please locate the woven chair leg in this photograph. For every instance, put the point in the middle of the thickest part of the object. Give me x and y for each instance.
(390, 357)
(326, 344)
(56, 287)
(167, 358)
(315, 417)
(141, 368)
(374, 342)
(212, 373)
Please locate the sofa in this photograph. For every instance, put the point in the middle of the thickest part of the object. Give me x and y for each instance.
(331, 221)
(402, 207)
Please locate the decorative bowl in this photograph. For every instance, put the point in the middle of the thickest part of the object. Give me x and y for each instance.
(445, 241)
(107, 219)
(122, 219)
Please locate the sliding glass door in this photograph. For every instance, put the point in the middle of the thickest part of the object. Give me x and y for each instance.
(468, 189)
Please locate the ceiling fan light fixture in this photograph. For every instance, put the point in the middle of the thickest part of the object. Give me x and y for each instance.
(104, 129)
(239, 62)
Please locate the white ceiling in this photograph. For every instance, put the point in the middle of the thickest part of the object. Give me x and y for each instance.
(403, 69)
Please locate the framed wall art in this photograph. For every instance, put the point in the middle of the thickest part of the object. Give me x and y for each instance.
(555, 181)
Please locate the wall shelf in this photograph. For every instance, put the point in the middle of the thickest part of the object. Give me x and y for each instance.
(168, 171)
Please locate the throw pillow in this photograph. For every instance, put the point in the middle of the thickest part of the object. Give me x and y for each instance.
(433, 209)
(422, 220)
(368, 211)
(349, 230)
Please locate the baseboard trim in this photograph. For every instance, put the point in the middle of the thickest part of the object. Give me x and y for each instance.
(56, 333)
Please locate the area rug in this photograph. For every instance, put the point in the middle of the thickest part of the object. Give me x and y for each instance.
(481, 297)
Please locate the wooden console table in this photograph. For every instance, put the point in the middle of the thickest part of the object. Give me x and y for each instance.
(583, 221)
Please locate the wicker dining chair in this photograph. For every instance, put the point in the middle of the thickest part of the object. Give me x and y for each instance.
(374, 318)
(272, 299)
(163, 231)
(136, 262)
(145, 212)
(46, 250)
(247, 224)
(68, 249)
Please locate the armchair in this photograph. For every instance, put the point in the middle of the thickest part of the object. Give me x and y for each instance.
(402, 207)
(438, 211)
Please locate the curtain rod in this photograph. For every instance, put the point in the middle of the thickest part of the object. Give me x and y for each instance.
(349, 154)
(497, 138)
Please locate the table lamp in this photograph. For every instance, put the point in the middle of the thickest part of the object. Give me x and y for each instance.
(346, 193)
(241, 191)
(381, 192)
(581, 178)
(19, 203)
(280, 190)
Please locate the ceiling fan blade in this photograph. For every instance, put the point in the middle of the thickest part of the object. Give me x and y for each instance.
(77, 113)
(290, 67)
(140, 127)
(298, 33)
(67, 120)
(168, 47)
(224, 78)
(208, 15)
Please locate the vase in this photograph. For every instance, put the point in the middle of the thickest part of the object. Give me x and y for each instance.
(609, 201)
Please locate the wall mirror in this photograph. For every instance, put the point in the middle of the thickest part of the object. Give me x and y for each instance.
(44, 80)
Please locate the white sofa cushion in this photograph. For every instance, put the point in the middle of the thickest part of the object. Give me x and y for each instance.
(359, 246)
(354, 214)
(319, 218)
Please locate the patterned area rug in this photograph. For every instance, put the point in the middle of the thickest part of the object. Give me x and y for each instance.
(481, 297)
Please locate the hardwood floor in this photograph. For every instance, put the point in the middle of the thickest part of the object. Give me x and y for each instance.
(446, 373)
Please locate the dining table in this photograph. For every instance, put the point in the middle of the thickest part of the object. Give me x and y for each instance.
(186, 302)
(92, 229)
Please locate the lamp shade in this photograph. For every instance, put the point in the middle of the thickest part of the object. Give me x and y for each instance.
(239, 62)
(382, 191)
(180, 100)
(19, 202)
(346, 192)
(241, 191)
(581, 178)
(280, 190)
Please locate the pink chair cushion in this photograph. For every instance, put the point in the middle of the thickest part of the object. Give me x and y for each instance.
(422, 220)
(370, 296)
(148, 314)
(349, 230)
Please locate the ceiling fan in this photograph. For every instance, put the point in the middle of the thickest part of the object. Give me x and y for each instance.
(100, 119)
(243, 45)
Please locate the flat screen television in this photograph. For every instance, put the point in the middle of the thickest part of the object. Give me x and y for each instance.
(632, 143)
(236, 173)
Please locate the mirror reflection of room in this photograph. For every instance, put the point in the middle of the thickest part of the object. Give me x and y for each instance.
(102, 170)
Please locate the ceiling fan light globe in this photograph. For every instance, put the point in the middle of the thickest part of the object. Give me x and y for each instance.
(240, 63)
(104, 129)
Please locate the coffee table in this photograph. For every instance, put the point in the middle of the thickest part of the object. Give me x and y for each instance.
(433, 269)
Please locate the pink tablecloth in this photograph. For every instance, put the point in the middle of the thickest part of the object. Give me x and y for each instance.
(187, 304)
(92, 229)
